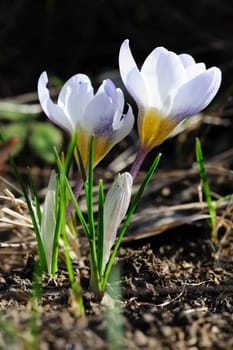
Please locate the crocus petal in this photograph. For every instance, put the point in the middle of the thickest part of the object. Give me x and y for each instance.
(74, 96)
(115, 207)
(104, 141)
(124, 127)
(163, 72)
(98, 115)
(194, 70)
(131, 76)
(196, 94)
(186, 60)
(168, 72)
(54, 112)
(110, 90)
(119, 108)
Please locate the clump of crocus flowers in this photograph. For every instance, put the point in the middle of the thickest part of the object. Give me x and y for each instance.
(167, 89)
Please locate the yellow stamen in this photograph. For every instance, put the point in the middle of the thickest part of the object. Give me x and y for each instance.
(153, 128)
(101, 147)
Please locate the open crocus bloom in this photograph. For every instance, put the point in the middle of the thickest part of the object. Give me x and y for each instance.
(100, 115)
(167, 89)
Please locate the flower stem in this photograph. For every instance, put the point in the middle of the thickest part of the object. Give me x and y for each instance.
(141, 155)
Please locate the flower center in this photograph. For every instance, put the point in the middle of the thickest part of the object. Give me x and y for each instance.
(153, 128)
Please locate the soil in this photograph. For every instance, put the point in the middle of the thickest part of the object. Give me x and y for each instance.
(170, 287)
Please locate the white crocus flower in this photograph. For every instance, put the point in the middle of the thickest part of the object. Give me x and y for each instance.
(48, 222)
(100, 114)
(115, 207)
(167, 89)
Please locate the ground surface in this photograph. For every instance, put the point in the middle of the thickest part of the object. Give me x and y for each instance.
(174, 289)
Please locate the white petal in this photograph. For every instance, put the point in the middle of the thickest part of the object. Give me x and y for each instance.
(110, 90)
(54, 112)
(74, 96)
(193, 71)
(164, 72)
(196, 94)
(98, 116)
(149, 74)
(124, 127)
(131, 76)
(119, 109)
(187, 60)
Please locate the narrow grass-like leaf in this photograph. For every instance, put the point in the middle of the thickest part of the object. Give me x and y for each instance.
(100, 227)
(72, 196)
(88, 186)
(74, 285)
(78, 156)
(90, 190)
(35, 196)
(70, 152)
(221, 200)
(34, 312)
(206, 189)
(41, 251)
(128, 218)
(77, 209)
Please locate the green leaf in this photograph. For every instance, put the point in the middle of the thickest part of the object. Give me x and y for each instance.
(20, 130)
(100, 227)
(42, 138)
(206, 189)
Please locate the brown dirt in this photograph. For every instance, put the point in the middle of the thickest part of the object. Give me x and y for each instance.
(174, 289)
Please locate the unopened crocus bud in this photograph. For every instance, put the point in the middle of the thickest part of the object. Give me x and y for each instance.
(48, 222)
(115, 208)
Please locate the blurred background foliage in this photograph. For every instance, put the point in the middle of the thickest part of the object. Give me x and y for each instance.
(67, 37)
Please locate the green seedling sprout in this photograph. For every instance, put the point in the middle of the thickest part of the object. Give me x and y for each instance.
(206, 190)
(33, 215)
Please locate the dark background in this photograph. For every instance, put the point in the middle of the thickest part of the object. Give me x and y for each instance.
(67, 37)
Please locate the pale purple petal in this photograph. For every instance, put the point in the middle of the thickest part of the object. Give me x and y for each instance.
(196, 94)
(119, 109)
(110, 90)
(131, 76)
(149, 74)
(187, 60)
(164, 72)
(125, 126)
(54, 112)
(194, 70)
(74, 97)
(98, 116)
